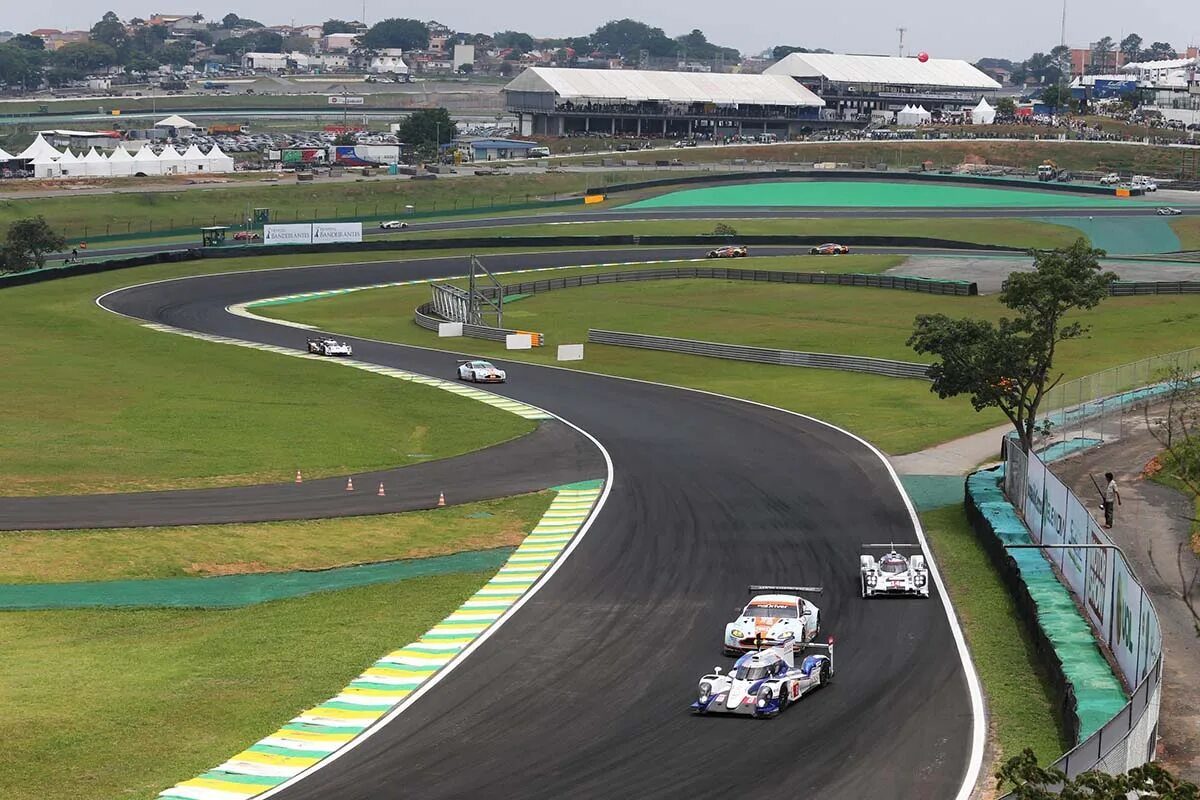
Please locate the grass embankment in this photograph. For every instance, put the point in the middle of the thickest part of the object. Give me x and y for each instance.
(125, 703)
(899, 416)
(1013, 232)
(107, 405)
(1188, 231)
(1078, 156)
(132, 212)
(1020, 702)
(203, 550)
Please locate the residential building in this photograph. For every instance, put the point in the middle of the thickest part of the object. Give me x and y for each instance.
(339, 42)
(1086, 61)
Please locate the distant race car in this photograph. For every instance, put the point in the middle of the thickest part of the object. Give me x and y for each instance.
(325, 346)
(729, 251)
(1167, 211)
(830, 249)
(480, 372)
(893, 573)
(246, 236)
(393, 224)
(769, 619)
(765, 682)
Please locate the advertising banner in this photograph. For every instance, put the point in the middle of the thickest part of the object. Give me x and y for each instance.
(1054, 514)
(345, 100)
(1035, 479)
(1127, 612)
(1073, 562)
(1014, 470)
(326, 232)
(1098, 579)
(288, 234)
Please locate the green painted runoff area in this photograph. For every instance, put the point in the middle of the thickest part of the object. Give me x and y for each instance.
(1098, 693)
(229, 591)
(1124, 235)
(872, 194)
(929, 492)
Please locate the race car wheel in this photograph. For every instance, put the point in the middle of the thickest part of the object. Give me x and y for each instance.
(825, 676)
(785, 697)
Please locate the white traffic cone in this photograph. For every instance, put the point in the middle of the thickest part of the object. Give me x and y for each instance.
(349, 484)
(381, 492)
(441, 499)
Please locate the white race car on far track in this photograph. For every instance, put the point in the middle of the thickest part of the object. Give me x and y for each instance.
(480, 372)
(769, 619)
(764, 683)
(326, 346)
(894, 573)
(393, 224)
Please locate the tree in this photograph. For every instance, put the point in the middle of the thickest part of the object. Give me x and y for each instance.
(404, 34)
(234, 21)
(1056, 97)
(1130, 46)
(177, 54)
(1158, 51)
(19, 67)
(466, 69)
(337, 26)
(521, 42)
(1006, 106)
(697, 45)
(297, 43)
(426, 129)
(1102, 61)
(257, 41)
(779, 52)
(27, 42)
(1032, 782)
(110, 31)
(28, 242)
(1008, 364)
(85, 56)
(627, 37)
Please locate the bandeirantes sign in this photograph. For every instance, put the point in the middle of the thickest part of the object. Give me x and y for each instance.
(345, 100)
(288, 234)
(327, 232)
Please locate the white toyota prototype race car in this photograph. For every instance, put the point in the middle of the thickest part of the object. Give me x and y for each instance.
(765, 682)
(480, 372)
(768, 619)
(325, 346)
(894, 573)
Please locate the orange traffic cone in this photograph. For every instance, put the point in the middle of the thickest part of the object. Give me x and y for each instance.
(381, 492)
(349, 484)
(298, 478)
(441, 499)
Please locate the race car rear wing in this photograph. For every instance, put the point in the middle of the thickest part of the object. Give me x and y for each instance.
(892, 546)
(814, 589)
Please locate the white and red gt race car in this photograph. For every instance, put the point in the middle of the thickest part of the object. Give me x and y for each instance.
(774, 614)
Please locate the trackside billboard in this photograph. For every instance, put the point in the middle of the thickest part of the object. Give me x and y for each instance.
(288, 234)
(313, 233)
(327, 232)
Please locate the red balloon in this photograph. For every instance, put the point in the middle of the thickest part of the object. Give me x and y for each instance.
(922, 57)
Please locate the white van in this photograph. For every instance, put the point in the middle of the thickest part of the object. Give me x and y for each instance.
(539, 152)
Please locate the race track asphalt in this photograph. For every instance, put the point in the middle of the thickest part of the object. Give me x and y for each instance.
(584, 692)
(551, 455)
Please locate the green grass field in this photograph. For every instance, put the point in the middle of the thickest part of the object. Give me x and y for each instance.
(203, 550)
(899, 416)
(1187, 228)
(107, 704)
(1012, 232)
(107, 405)
(131, 212)
(1020, 702)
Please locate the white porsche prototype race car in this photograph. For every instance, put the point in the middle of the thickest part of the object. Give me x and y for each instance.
(768, 619)
(329, 347)
(893, 573)
(480, 372)
(764, 683)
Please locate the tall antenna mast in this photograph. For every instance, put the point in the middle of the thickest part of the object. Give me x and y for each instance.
(902, 30)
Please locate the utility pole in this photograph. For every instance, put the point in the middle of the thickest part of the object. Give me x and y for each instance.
(902, 31)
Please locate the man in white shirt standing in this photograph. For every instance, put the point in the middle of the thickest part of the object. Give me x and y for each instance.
(1112, 497)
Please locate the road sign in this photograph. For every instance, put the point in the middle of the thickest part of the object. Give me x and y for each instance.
(345, 100)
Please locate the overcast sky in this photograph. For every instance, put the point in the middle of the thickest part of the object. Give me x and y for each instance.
(944, 28)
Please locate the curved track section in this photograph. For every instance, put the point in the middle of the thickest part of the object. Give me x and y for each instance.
(583, 693)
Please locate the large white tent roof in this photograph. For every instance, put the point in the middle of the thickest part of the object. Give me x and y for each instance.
(174, 121)
(1170, 63)
(5, 156)
(893, 70)
(120, 154)
(39, 147)
(671, 87)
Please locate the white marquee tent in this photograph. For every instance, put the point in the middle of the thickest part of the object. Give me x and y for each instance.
(146, 163)
(45, 167)
(194, 160)
(69, 164)
(39, 147)
(4, 156)
(983, 114)
(95, 165)
(913, 115)
(171, 161)
(120, 163)
(218, 161)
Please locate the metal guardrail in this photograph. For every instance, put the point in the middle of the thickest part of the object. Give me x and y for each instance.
(902, 282)
(761, 355)
(424, 317)
(1129, 288)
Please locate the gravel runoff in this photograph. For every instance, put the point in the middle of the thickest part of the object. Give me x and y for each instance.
(990, 272)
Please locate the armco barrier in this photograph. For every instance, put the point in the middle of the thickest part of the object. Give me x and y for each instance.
(761, 355)
(902, 282)
(1129, 288)
(425, 317)
(1117, 734)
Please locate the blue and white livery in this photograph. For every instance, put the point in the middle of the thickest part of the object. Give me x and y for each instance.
(764, 683)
